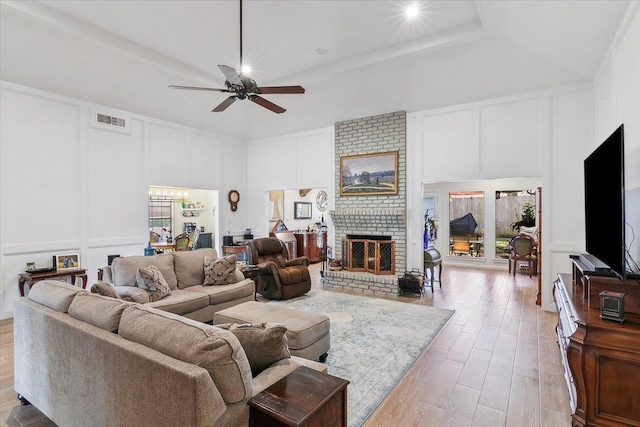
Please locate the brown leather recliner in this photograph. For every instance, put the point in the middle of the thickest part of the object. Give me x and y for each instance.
(277, 277)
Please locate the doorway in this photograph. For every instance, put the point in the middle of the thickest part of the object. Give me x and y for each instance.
(176, 210)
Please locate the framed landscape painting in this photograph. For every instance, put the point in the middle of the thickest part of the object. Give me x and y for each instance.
(369, 174)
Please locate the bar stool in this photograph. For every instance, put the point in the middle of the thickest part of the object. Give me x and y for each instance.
(432, 258)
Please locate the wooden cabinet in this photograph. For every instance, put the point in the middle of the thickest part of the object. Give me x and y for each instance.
(601, 357)
(289, 241)
(204, 241)
(311, 244)
(240, 250)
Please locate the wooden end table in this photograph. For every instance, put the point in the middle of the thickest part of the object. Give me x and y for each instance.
(305, 397)
(251, 272)
(32, 278)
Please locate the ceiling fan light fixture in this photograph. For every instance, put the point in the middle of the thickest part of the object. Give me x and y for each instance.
(244, 87)
(412, 10)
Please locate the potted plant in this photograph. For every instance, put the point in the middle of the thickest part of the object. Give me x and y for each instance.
(528, 218)
(430, 229)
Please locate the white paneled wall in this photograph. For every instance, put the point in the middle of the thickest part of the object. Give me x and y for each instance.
(70, 187)
(543, 135)
(617, 101)
(446, 144)
(311, 151)
(114, 163)
(40, 150)
(511, 138)
(168, 155)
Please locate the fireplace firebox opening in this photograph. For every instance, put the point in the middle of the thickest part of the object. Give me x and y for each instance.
(369, 253)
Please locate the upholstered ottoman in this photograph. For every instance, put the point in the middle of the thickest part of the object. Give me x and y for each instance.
(307, 333)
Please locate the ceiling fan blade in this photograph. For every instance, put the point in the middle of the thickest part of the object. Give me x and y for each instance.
(231, 75)
(224, 104)
(267, 104)
(212, 89)
(280, 89)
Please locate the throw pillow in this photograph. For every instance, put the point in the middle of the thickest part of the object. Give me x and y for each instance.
(220, 271)
(530, 231)
(151, 280)
(263, 343)
(105, 289)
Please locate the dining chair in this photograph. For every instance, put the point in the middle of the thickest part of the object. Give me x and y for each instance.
(182, 242)
(461, 245)
(522, 248)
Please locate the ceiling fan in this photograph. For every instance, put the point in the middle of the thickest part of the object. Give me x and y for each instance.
(244, 87)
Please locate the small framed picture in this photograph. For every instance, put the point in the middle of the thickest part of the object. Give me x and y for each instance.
(67, 262)
(31, 266)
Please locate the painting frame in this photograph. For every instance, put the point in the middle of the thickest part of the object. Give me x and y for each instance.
(357, 173)
(66, 262)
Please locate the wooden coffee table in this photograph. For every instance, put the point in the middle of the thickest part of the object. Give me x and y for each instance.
(305, 397)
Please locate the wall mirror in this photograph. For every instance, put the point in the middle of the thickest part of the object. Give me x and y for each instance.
(302, 210)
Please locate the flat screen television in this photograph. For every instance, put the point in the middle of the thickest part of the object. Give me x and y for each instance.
(604, 205)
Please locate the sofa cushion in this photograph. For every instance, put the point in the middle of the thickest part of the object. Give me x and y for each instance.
(294, 274)
(151, 280)
(54, 294)
(220, 271)
(182, 302)
(133, 293)
(105, 289)
(226, 293)
(216, 350)
(188, 266)
(124, 270)
(100, 311)
(263, 343)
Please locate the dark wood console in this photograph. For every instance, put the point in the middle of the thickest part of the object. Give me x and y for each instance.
(310, 244)
(601, 358)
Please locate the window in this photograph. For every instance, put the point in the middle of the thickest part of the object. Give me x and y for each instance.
(466, 223)
(430, 224)
(160, 215)
(513, 208)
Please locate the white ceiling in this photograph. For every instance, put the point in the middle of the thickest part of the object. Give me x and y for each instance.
(124, 54)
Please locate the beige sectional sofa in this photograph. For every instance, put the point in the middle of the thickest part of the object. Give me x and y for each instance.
(84, 359)
(184, 273)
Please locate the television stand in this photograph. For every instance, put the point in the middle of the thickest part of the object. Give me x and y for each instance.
(601, 358)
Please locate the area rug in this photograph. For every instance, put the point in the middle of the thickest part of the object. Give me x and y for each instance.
(373, 342)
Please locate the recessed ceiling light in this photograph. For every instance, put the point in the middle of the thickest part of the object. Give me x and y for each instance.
(322, 51)
(412, 10)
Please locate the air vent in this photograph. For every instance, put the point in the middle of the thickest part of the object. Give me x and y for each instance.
(113, 121)
(106, 119)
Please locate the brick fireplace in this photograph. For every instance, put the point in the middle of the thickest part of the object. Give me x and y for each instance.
(365, 216)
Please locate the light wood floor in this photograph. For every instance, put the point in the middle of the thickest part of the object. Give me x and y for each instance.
(496, 363)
